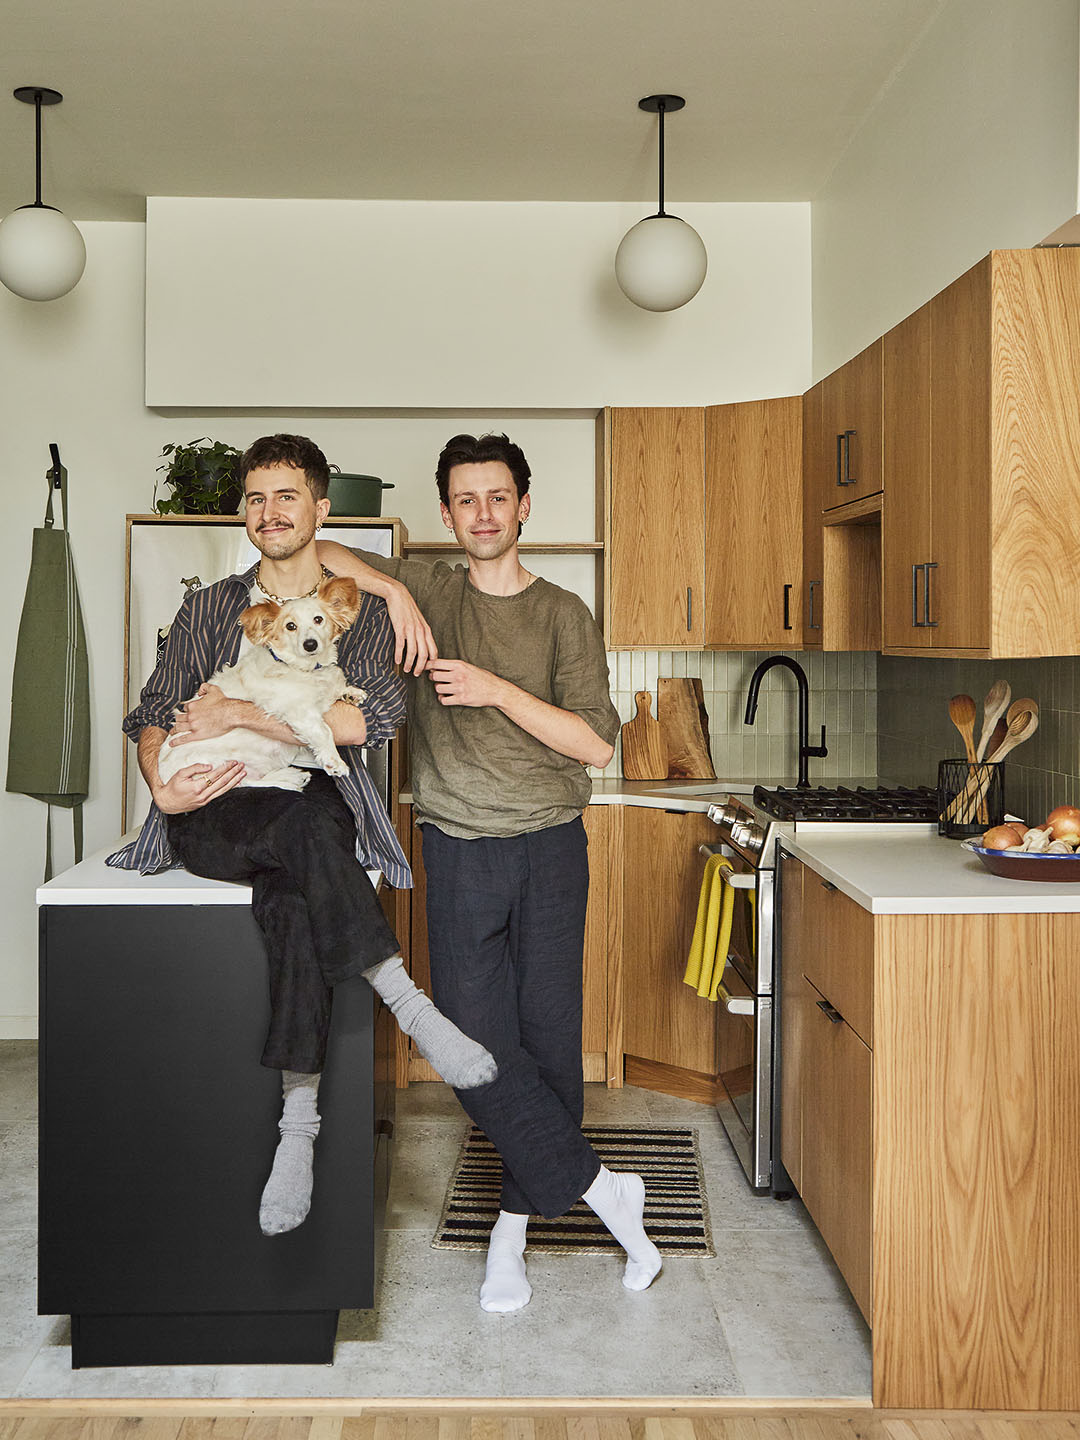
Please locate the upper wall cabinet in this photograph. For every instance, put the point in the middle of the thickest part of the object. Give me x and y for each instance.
(816, 476)
(753, 524)
(981, 510)
(655, 552)
(704, 526)
(851, 429)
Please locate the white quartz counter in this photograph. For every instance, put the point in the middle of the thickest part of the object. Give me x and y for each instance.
(695, 795)
(92, 882)
(913, 871)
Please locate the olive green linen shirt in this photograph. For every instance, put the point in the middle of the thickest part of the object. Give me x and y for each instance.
(473, 772)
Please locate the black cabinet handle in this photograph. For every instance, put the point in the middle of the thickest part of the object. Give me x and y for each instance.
(830, 1012)
(915, 621)
(840, 459)
(927, 620)
(843, 458)
(812, 624)
(689, 607)
(827, 885)
(787, 607)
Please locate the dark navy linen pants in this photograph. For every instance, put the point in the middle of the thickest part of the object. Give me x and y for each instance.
(506, 932)
(311, 898)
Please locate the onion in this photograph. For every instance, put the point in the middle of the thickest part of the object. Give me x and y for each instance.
(1002, 837)
(1064, 822)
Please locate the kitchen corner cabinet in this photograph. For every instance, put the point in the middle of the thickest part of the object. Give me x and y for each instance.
(601, 1050)
(940, 1125)
(703, 526)
(851, 418)
(981, 512)
(667, 1028)
(753, 524)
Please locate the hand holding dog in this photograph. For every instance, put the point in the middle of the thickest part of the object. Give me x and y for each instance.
(208, 714)
(196, 786)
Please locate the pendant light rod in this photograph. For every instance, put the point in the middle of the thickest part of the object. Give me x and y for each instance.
(37, 95)
(660, 105)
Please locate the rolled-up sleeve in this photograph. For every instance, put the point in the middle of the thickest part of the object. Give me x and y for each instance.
(176, 677)
(366, 655)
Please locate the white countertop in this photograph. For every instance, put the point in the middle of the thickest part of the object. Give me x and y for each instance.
(696, 795)
(92, 882)
(911, 870)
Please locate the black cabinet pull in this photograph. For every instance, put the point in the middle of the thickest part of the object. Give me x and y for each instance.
(787, 607)
(827, 885)
(830, 1012)
(915, 621)
(812, 624)
(927, 620)
(848, 479)
(689, 607)
(840, 459)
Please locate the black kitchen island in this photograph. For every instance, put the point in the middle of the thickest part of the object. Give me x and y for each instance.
(158, 1127)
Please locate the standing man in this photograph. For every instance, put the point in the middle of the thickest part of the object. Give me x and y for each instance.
(305, 853)
(508, 703)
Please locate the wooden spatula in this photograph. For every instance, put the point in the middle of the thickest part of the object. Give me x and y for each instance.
(644, 754)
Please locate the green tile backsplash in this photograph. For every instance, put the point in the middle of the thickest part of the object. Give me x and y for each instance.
(914, 730)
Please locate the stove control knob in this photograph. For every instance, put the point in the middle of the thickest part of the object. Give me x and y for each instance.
(755, 836)
(740, 831)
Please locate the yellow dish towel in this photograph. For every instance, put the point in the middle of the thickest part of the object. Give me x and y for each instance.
(712, 930)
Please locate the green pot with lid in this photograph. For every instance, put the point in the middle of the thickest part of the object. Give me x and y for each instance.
(359, 495)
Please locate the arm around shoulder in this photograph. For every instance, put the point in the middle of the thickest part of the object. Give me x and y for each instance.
(414, 644)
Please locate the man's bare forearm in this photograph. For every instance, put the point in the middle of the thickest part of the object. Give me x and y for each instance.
(343, 561)
(559, 730)
(149, 743)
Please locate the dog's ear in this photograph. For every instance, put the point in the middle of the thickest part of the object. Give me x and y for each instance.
(259, 621)
(340, 599)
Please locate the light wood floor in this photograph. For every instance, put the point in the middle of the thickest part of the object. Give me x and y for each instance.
(437, 1421)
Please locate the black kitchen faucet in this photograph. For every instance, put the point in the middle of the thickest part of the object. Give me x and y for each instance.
(805, 748)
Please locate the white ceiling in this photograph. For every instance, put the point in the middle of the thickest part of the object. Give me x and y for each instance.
(438, 99)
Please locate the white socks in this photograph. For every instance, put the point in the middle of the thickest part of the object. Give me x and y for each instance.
(619, 1200)
(286, 1198)
(505, 1286)
(460, 1061)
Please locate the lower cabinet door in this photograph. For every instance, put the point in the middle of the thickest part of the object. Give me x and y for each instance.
(836, 1140)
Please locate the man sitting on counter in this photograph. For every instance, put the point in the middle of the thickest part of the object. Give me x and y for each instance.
(305, 852)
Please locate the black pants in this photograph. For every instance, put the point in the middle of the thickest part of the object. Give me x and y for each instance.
(311, 898)
(506, 931)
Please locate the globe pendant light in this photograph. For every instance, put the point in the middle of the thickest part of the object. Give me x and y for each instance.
(661, 262)
(42, 254)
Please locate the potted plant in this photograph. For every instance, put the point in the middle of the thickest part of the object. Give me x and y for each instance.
(204, 476)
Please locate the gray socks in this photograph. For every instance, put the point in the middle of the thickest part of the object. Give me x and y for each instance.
(460, 1061)
(286, 1198)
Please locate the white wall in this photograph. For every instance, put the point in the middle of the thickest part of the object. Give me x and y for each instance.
(71, 371)
(972, 148)
(426, 305)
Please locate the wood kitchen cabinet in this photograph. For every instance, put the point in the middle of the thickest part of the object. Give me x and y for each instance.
(851, 422)
(665, 1024)
(825, 1093)
(655, 551)
(815, 475)
(704, 526)
(981, 511)
(753, 524)
(601, 1012)
(937, 1131)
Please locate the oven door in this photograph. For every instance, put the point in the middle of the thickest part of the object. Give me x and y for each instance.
(744, 1074)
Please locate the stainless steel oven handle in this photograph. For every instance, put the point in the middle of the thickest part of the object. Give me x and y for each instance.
(734, 1004)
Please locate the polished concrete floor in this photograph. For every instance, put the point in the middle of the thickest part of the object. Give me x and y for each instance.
(769, 1316)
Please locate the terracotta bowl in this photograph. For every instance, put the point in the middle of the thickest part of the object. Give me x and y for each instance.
(1025, 866)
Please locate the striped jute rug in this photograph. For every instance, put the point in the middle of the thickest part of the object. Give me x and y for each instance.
(666, 1157)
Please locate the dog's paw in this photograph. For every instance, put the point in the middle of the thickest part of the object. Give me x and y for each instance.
(334, 765)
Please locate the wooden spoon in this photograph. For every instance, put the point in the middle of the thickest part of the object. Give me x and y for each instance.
(1018, 706)
(1021, 727)
(994, 706)
(962, 715)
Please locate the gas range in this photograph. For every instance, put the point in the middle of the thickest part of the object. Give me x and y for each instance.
(752, 827)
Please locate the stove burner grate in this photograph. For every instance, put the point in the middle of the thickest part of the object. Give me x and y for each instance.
(898, 803)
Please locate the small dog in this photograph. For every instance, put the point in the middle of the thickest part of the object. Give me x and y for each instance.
(292, 674)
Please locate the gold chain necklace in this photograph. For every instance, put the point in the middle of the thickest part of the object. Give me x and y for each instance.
(279, 600)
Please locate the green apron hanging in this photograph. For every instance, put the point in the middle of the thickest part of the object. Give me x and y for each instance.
(49, 748)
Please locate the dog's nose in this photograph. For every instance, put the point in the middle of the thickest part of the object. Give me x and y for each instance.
(310, 645)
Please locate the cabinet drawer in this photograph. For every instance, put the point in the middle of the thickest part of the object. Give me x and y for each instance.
(837, 952)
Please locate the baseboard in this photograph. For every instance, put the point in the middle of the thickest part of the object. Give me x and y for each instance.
(18, 1027)
(671, 1080)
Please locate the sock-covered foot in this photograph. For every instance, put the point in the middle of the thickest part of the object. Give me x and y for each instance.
(506, 1287)
(619, 1200)
(286, 1197)
(460, 1061)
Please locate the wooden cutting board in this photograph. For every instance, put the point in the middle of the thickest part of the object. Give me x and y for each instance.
(644, 756)
(684, 724)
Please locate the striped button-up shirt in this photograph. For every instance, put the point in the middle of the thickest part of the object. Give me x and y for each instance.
(206, 635)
